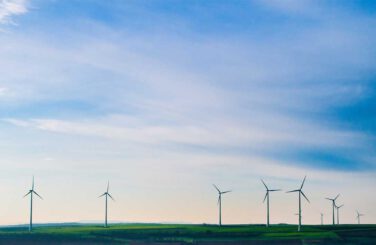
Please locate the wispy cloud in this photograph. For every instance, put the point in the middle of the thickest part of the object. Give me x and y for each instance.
(302, 7)
(212, 94)
(209, 134)
(223, 138)
(2, 91)
(11, 8)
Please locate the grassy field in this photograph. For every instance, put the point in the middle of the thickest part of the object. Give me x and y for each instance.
(186, 234)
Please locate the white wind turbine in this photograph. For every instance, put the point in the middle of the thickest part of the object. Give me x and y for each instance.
(358, 216)
(220, 203)
(333, 205)
(338, 207)
(322, 218)
(31, 192)
(267, 201)
(300, 205)
(106, 194)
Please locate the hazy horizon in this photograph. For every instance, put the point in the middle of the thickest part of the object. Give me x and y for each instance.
(166, 98)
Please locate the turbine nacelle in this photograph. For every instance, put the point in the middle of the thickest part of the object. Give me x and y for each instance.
(107, 192)
(300, 190)
(359, 214)
(268, 190)
(333, 199)
(221, 192)
(338, 207)
(34, 192)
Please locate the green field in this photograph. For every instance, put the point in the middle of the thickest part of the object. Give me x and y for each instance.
(196, 234)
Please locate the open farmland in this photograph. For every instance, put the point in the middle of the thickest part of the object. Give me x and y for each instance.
(190, 234)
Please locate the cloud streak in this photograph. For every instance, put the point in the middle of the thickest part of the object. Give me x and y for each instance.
(11, 8)
(209, 134)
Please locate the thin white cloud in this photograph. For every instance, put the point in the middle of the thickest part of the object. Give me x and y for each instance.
(11, 8)
(208, 134)
(306, 7)
(2, 91)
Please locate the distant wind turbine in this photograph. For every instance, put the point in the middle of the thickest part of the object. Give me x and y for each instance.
(322, 217)
(267, 201)
(338, 207)
(333, 205)
(358, 216)
(300, 205)
(106, 194)
(220, 203)
(31, 192)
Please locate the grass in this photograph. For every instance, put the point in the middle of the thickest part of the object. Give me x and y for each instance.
(190, 234)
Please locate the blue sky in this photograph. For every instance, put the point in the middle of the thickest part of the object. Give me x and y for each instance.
(172, 96)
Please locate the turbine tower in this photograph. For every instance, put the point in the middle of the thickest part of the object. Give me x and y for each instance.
(31, 192)
(322, 217)
(300, 198)
(220, 203)
(338, 207)
(333, 205)
(106, 194)
(267, 201)
(358, 216)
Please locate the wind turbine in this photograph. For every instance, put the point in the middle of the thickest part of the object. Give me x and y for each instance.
(300, 206)
(220, 203)
(322, 216)
(338, 207)
(358, 216)
(267, 201)
(31, 192)
(333, 204)
(106, 194)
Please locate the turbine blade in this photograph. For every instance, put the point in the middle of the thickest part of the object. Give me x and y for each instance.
(216, 188)
(305, 196)
(264, 184)
(225, 192)
(292, 191)
(110, 196)
(108, 185)
(301, 187)
(219, 197)
(102, 195)
(329, 199)
(32, 185)
(265, 197)
(27, 194)
(276, 190)
(336, 197)
(37, 195)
